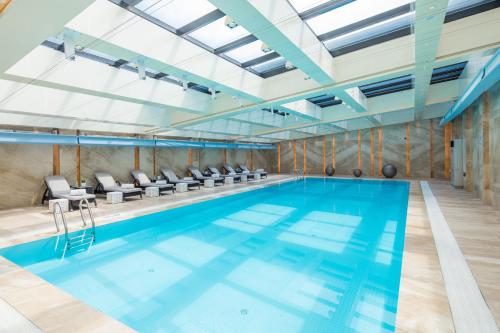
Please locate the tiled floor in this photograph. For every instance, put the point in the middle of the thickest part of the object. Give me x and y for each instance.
(423, 304)
(476, 228)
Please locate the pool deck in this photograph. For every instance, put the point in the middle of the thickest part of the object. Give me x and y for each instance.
(34, 305)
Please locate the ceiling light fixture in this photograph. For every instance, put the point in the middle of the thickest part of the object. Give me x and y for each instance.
(230, 23)
(265, 48)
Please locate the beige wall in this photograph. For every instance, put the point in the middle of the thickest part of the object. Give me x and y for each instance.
(23, 167)
(485, 175)
(349, 144)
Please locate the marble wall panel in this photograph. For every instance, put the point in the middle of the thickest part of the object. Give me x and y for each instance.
(175, 159)
(419, 149)
(315, 155)
(264, 159)
(146, 162)
(67, 156)
(477, 147)
(495, 143)
(235, 157)
(365, 152)
(346, 152)
(118, 161)
(438, 151)
(329, 150)
(22, 168)
(394, 148)
(210, 157)
(299, 152)
(286, 157)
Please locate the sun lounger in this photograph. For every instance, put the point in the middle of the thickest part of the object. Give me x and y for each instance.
(143, 181)
(106, 183)
(199, 176)
(214, 171)
(59, 188)
(262, 172)
(173, 179)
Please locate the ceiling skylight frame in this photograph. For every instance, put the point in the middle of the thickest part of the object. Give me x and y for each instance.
(451, 15)
(199, 23)
(122, 64)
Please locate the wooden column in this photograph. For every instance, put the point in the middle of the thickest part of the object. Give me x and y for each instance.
(324, 154)
(279, 158)
(294, 156)
(487, 195)
(304, 163)
(225, 155)
(334, 143)
(407, 155)
(360, 162)
(379, 150)
(469, 184)
(154, 161)
(56, 161)
(431, 148)
(447, 155)
(137, 160)
(372, 152)
(190, 156)
(78, 167)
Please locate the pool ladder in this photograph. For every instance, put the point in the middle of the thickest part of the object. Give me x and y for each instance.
(299, 174)
(87, 237)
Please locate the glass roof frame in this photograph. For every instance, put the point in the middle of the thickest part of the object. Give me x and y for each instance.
(451, 15)
(199, 23)
(58, 45)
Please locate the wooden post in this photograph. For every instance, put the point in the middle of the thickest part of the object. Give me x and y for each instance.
(407, 155)
(56, 161)
(225, 155)
(78, 168)
(190, 156)
(304, 164)
(447, 155)
(487, 196)
(360, 166)
(431, 148)
(334, 143)
(372, 152)
(279, 158)
(137, 161)
(379, 152)
(154, 161)
(294, 156)
(324, 155)
(469, 184)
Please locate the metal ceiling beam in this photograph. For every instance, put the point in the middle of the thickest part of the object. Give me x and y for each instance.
(429, 21)
(201, 22)
(323, 8)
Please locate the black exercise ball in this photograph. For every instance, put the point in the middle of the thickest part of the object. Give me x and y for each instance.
(330, 170)
(357, 172)
(389, 171)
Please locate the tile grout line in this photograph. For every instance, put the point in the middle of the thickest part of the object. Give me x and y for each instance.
(468, 308)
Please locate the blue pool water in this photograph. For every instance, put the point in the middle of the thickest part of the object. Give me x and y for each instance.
(308, 256)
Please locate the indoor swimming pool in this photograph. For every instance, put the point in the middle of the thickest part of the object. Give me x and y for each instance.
(316, 255)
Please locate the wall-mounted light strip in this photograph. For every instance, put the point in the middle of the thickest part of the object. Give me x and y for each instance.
(8, 137)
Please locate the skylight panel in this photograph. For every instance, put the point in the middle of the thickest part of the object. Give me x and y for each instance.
(269, 65)
(461, 4)
(176, 13)
(247, 52)
(351, 13)
(303, 5)
(371, 31)
(217, 34)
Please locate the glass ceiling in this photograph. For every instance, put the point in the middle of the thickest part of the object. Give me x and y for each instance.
(342, 25)
(348, 25)
(104, 58)
(176, 13)
(351, 13)
(203, 24)
(217, 34)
